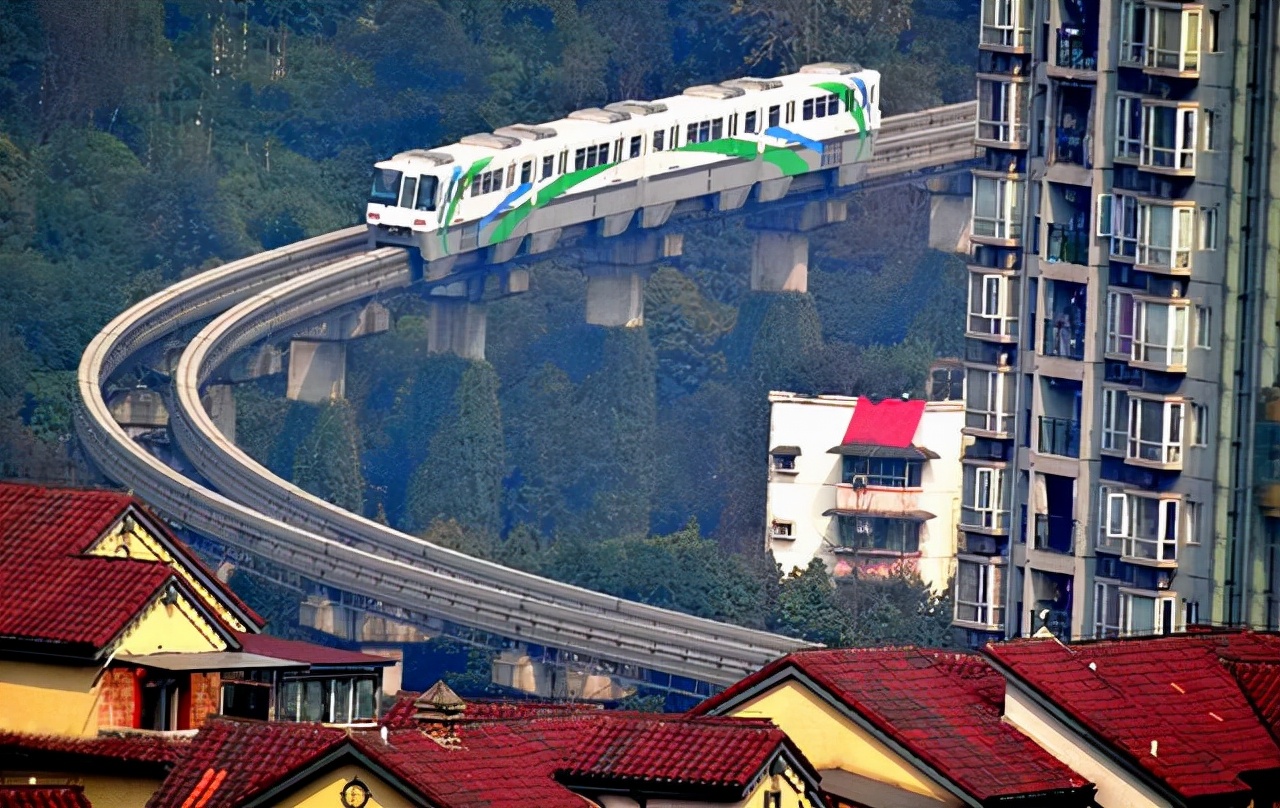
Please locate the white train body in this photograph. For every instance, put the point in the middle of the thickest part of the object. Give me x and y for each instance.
(606, 164)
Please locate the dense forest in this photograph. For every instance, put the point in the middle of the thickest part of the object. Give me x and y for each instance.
(141, 141)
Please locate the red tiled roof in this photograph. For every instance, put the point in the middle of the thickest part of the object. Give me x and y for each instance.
(53, 592)
(727, 753)
(43, 797)
(143, 750)
(943, 708)
(311, 653)
(1178, 692)
(400, 715)
(891, 422)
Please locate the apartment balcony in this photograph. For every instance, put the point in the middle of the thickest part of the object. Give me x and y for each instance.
(1172, 45)
(1006, 25)
(1068, 245)
(1055, 534)
(1062, 340)
(1156, 433)
(1059, 436)
(1076, 53)
(993, 306)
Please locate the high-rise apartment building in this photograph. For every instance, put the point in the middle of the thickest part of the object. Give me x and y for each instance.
(1122, 385)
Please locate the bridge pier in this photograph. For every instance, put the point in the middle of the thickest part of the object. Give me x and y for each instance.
(139, 410)
(457, 326)
(220, 402)
(617, 269)
(317, 371)
(780, 257)
(950, 213)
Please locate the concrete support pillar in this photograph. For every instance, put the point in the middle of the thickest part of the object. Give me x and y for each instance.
(317, 371)
(220, 402)
(780, 262)
(615, 295)
(457, 327)
(949, 221)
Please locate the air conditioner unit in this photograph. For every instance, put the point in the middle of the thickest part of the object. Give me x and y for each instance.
(859, 482)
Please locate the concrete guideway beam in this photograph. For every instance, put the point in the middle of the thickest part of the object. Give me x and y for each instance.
(617, 270)
(780, 256)
(220, 402)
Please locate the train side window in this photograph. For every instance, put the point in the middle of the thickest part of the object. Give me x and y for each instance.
(775, 115)
(511, 175)
(407, 191)
(564, 161)
(833, 104)
(427, 187)
(791, 111)
(526, 171)
(603, 154)
(548, 165)
(873, 95)
(717, 129)
(807, 110)
(657, 139)
(635, 146)
(749, 122)
(675, 138)
(733, 124)
(704, 131)
(579, 159)
(691, 134)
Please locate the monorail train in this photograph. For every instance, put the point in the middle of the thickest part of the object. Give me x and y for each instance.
(605, 164)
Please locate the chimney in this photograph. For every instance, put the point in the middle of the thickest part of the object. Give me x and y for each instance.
(436, 712)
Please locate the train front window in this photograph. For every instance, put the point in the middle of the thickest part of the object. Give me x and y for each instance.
(386, 186)
(427, 186)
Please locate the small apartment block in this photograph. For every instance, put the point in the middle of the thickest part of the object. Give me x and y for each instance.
(1103, 406)
(865, 486)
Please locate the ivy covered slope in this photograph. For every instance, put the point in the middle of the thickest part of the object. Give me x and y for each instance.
(143, 140)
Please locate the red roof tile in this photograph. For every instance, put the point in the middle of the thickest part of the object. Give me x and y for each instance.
(943, 708)
(1178, 692)
(53, 592)
(43, 797)
(113, 749)
(400, 715)
(311, 653)
(891, 422)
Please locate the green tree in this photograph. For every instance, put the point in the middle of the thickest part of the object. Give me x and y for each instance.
(897, 609)
(326, 461)
(808, 607)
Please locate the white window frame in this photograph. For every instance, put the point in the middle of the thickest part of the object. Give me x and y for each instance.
(1182, 56)
(1172, 417)
(1208, 229)
(1127, 598)
(1004, 218)
(1003, 25)
(1165, 347)
(1176, 254)
(1192, 517)
(1199, 434)
(1106, 618)
(774, 534)
(1181, 155)
(1133, 32)
(987, 604)
(999, 387)
(1124, 226)
(1203, 325)
(1115, 419)
(1119, 335)
(1147, 529)
(996, 313)
(1001, 108)
(988, 497)
(1128, 127)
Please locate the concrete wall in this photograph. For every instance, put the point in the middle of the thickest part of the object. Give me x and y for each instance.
(818, 424)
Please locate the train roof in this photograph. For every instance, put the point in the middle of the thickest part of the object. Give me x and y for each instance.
(597, 124)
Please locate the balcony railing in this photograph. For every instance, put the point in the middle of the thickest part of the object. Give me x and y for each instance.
(1067, 245)
(1055, 534)
(984, 519)
(1061, 339)
(1072, 51)
(1059, 436)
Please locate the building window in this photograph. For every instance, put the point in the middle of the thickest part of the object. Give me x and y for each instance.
(993, 305)
(782, 530)
(997, 207)
(989, 401)
(1208, 228)
(785, 463)
(338, 700)
(1133, 32)
(1199, 425)
(1120, 324)
(1160, 333)
(1173, 39)
(1000, 111)
(1115, 418)
(1165, 236)
(879, 533)
(983, 498)
(979, 593)
(881, 472)
(1168, 137)
(1106, 610)
(1118, 219)
(1191, 529)
(1005, 24)
(1143, 615)
(1128, 127)
(1145, 528)
(1204, 322)
(1155, 430)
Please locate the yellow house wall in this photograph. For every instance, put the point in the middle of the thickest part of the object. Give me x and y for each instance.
(831, 741)
(139, 543)
(325, 791)
(48, 699)
(165, 628)
(788, 785)
(101, 791)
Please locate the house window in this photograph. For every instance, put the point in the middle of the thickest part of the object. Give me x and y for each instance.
(1120, 324)
(782, 530)
(337, 700)
(979, 592)
(1199, 425)
(881, 472)
(1123, 227)
(1115, 418)
(1128, 127)
(997, 207)
(1005, 24)
(1165, 236)
(1204, 324)
(1146, 528)
(1143, 615)
(1173, 39)
(1168, 137)
(1000, 111)
(877, 533)
(785, 463)
(1191, 530)
(989, 401)
(983, 498)
(1160, 333)
(1155, 430)
(993, 303)
(1133, 32)
(1106, 610)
